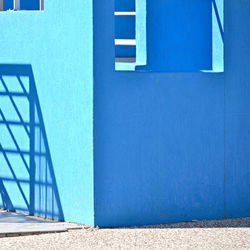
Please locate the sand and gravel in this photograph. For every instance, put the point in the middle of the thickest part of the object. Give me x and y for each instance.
(224, 234)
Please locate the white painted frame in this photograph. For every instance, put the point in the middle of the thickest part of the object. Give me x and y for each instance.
(41, 4)
(16, 4)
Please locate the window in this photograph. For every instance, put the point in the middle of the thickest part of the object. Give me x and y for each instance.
(6, 5)
(169, 35)
(130, 34)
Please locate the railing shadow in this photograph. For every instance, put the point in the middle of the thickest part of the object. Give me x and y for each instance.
(27, 178)
(218, 19)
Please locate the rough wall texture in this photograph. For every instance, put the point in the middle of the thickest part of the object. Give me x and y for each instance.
(172, 146)
(57, 47)
(167, 146)
(237, 108)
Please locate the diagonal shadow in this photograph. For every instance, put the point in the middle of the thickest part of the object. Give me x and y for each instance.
(218, 19)
(43, 196)
(7, 204)
(4, 121)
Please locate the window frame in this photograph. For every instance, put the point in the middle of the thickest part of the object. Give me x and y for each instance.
(17, 5)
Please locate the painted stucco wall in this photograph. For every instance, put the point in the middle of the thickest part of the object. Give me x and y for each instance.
(166, 146)
(237, 108)
(179, 35)
(56, 46)
(161, 154)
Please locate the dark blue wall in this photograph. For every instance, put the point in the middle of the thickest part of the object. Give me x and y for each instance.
(125, 29)
(161, 154)
(124, 5)
(24, 4)
(8, 4)
(179, 35)
(237, 112)
(30, 4)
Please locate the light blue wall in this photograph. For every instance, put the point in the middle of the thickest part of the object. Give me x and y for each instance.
(58, 44)
(161, 154)
(218, 35)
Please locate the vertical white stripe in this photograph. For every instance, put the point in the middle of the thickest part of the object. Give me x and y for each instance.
(16, 4)
(41, 4)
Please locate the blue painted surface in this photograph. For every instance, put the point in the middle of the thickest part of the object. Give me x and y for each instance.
(30, 4)
(237, 113)
(162, 147)
(24, 4)
(218, 35)
(140, 49)
(179, 35)
(8, 4)
(57, 45)
(161, 154)
(125, 27)
(124, 5)
(26, 164)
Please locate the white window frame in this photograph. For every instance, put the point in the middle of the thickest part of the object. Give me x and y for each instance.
(16, 5)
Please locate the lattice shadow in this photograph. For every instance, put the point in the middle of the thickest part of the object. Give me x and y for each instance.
(27, 178)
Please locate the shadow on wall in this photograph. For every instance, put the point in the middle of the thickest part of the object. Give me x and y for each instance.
(27, 178)
(218, 19)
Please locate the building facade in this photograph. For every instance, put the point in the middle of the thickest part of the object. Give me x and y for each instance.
(117, 113)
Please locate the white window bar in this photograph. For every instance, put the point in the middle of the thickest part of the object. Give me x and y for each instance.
(41, 4)
(16, 4)
(125, 13)
(125, 42)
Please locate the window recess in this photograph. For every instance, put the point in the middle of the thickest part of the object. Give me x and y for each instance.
(178, 35)
(130, 35)
(16, 5)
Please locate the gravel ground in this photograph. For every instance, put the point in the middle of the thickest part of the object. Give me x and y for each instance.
(224, 234)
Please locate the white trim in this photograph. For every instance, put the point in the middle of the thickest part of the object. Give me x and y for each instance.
(41, 4)
(125, 13)
(125, 42)
(16, 4)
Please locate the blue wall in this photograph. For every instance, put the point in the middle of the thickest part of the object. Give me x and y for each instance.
(179, 35)
(8, 4)
(161, 154)
(237, 112)
(30, 4)
(24, 4)
(162, 147)
(56, 45)
(125, 27)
